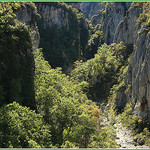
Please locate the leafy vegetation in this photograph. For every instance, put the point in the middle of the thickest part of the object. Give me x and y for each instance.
(17, 64)
(21, 127)
(70, 39)
(41, 107)
(101, 72)
(63, 105)
(104, 139)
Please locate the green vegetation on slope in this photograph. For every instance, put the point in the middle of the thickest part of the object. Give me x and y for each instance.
(60, 113)
(100, 73)
(16, 58)
(21, 127)
(63, 105)
(63, 45)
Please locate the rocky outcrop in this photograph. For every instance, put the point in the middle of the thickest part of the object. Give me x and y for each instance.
(28, 15)
(127, 28)
(91, 8)
(108, 15)
(114, 13)
(53, 15)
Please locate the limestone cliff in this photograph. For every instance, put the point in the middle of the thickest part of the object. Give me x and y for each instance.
(137, 85)
(138, 75)
(127, 29)
(119, 23)
(110, 16)
(63, 32)
(91, 8)
(27, 14)
(53, 15)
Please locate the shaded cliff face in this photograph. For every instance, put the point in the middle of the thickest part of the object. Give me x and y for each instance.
(114, 13)
(107, 14)
(16, 58)
(28, 15)
(61, 31)
(91, 8)
(110, 17)
(127, 28)
(53, 15)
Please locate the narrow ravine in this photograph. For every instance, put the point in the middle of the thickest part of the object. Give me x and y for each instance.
(123, 135)
(124, 138)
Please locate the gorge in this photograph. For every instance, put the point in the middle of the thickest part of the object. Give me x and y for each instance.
(71, 74)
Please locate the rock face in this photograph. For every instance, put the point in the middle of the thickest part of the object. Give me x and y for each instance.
(107, 14)
(28, 15)
(114, 13)
(53, 15)
(137, 79)
(127, 29)
(91, 8)
(139, 75)
(60, 33)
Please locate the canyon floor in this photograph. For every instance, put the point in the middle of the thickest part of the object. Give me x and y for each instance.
(124, 137)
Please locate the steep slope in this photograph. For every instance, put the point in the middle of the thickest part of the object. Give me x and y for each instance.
(61, 29)
(28, 15)
(17, 64)
(127, 28)
(138, 72)
(108, 15)
(90, 9)
(116, 78)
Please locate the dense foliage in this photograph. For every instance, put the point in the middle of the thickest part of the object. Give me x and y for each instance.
(69, 39)
(63, 105)
(21, 127)
(17, 64)
(40, 106)
(100, 73)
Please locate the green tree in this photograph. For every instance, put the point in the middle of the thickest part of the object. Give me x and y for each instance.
(21, 127)
(61, 102)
